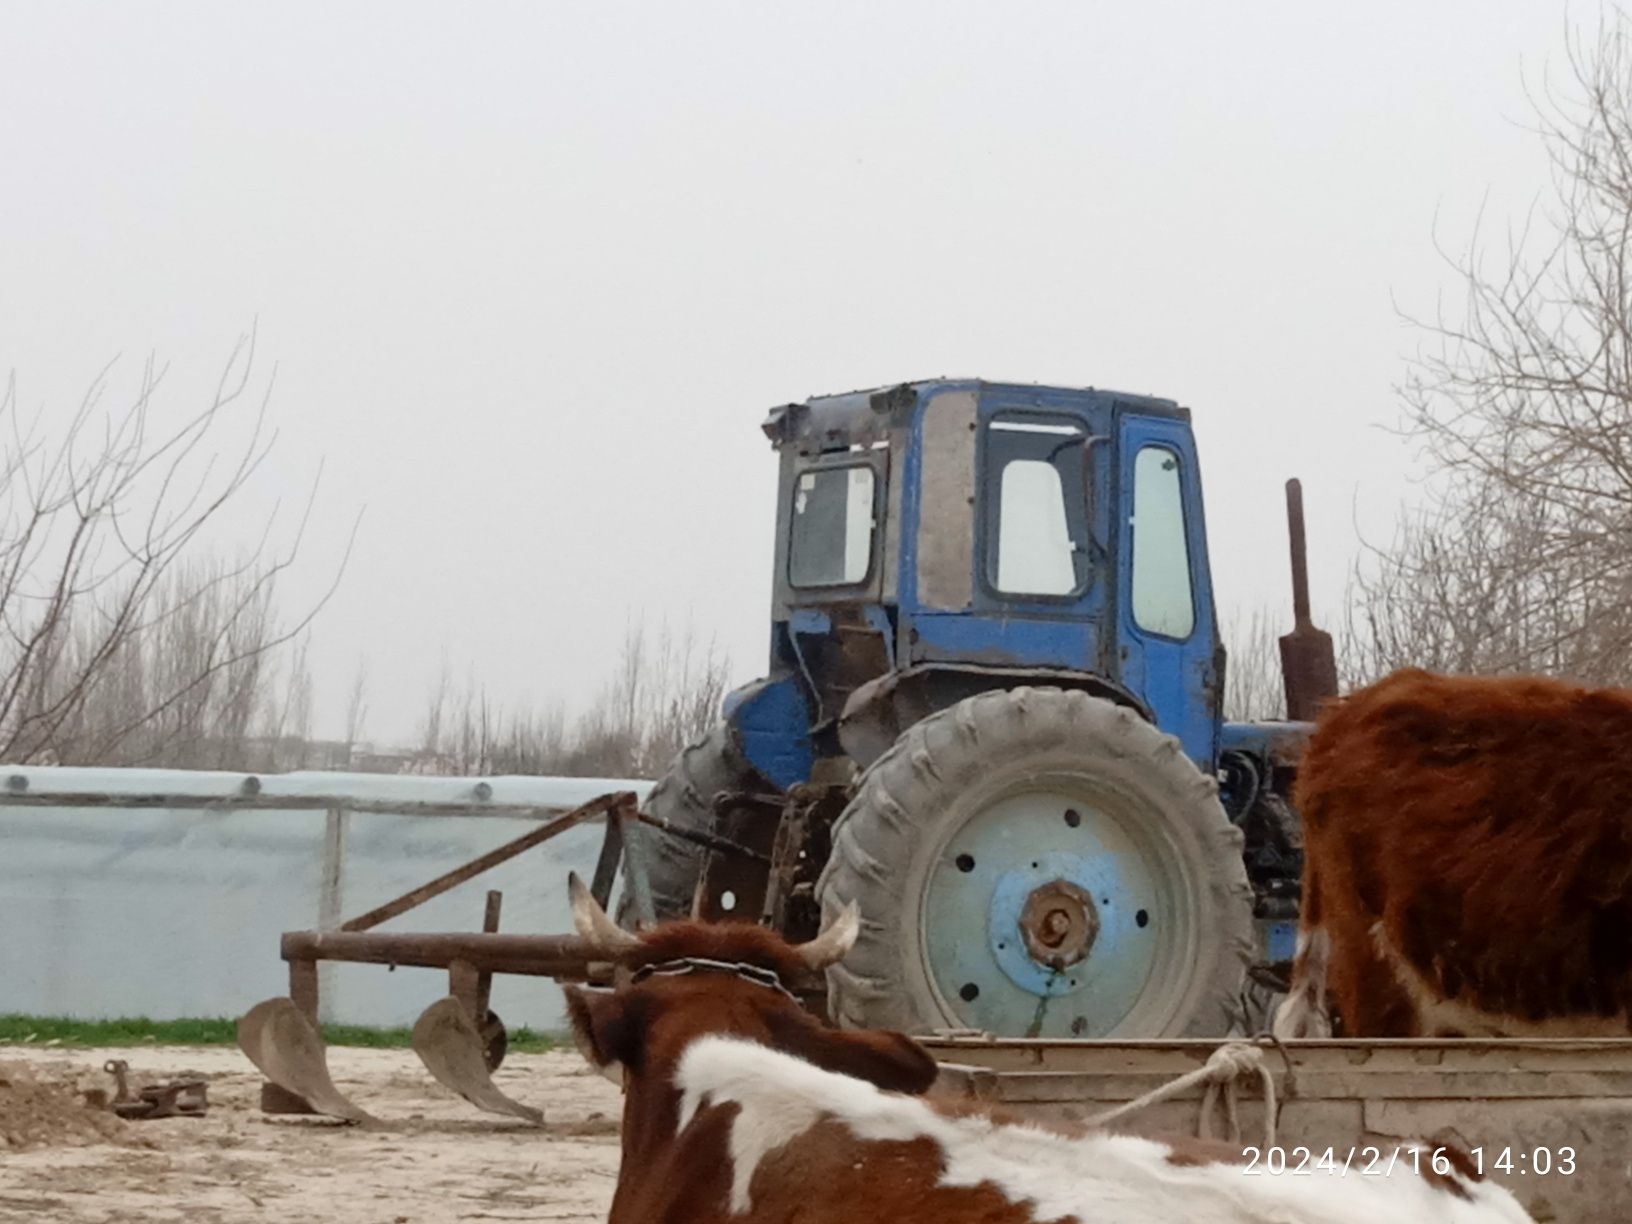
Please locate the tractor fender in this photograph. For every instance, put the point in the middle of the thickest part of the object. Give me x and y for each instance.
(880, 711)
(769, 721)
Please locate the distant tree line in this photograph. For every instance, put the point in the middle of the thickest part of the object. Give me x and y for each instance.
(124, 640)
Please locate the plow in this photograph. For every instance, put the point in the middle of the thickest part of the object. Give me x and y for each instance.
(459, 1038)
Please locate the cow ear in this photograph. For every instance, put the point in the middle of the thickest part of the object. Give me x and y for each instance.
(602, 1026)
(891, 1061)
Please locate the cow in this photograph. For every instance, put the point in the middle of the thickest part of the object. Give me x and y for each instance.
(741, 1107)
(1467, 862)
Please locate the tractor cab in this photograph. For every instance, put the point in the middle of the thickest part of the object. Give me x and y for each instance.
(941, 538)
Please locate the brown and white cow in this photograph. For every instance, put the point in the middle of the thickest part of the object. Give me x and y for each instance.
(1467, 862)
(741, 1107)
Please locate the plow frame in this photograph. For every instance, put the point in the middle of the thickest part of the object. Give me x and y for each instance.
(284, 1041)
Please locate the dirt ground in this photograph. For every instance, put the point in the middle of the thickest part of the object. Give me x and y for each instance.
(433, 1159)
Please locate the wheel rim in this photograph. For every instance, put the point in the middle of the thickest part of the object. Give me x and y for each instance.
(1058, 910)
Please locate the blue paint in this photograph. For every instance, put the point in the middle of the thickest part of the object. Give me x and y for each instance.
(811, 621)
(1279, 940)
(772, 724)
(1254, 738)
(947, 637)
(1100, 876)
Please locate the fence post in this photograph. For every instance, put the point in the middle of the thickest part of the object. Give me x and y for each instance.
(330, 901)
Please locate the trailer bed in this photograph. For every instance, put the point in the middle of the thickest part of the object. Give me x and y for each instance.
(1550, 1119)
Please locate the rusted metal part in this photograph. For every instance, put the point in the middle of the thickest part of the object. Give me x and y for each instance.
(452, 1049)
(490, 926)
(727, 802)
(1308, 660)
(606, 866)
(281, 1036)
(528, 955)
(278, 1038)
(1059, 924)
(732, 884)
(803, 842)
(603, 805)
(177, 1099)
(709, 841)
(303, 995)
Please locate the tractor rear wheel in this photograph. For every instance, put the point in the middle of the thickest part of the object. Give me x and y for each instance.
(1040, 863)
(685, 798)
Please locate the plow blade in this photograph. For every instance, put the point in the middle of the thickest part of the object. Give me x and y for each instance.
(453, 1051)
(287, 1048)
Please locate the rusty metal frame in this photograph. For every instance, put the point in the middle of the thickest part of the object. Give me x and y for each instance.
(470, 958)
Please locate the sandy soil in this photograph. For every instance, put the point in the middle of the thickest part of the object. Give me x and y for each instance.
(434, 1159)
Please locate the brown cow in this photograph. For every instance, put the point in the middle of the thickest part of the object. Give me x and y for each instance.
(1467, 862)
(741, 1107)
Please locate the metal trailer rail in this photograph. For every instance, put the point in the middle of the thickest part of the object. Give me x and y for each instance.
(1550, 1118)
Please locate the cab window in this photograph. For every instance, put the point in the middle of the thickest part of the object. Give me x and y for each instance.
(832, 531)
(1162, 600)
(1035, 493)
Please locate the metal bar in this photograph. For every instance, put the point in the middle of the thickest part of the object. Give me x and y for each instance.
(710, 841)
(303, 987)
(440, 885)
(1300, 554)
(252, 803)
(484, 981)
(465, 984)
(606, 867)
(537, 955)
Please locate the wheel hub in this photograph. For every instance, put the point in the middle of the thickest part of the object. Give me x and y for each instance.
(1059, 924)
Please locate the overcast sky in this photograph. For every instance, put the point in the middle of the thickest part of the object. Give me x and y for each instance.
(531, 274)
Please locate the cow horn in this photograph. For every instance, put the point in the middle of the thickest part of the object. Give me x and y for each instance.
(597, 930)
(834, 941)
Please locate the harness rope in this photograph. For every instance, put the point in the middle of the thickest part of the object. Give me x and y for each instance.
(1221, 1073)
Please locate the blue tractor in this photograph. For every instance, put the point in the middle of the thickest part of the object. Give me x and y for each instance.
(993, 718)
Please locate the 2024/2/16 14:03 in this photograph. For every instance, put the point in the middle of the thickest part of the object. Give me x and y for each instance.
(1375, 1162)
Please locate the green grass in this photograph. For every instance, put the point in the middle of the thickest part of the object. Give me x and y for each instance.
(140, 1031)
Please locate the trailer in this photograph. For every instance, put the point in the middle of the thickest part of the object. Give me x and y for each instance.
(1549, 1119)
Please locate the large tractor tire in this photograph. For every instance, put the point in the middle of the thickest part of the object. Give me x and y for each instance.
(1039, 863)
(685, 798)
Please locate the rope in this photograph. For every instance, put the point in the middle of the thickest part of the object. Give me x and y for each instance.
(1221, 1073)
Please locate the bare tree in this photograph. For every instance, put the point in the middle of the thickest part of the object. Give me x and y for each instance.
(116, 640)
(357, 705)
(1252, 670)
(664, 692)
(1522, 399)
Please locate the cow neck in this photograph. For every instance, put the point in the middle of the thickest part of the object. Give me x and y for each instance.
(680, 966)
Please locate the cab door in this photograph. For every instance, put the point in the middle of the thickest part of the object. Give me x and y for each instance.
(1165, 620)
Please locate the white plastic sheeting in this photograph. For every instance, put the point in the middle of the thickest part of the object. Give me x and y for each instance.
(168, 912)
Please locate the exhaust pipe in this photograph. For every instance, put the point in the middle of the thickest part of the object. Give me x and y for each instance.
(1308, 660)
